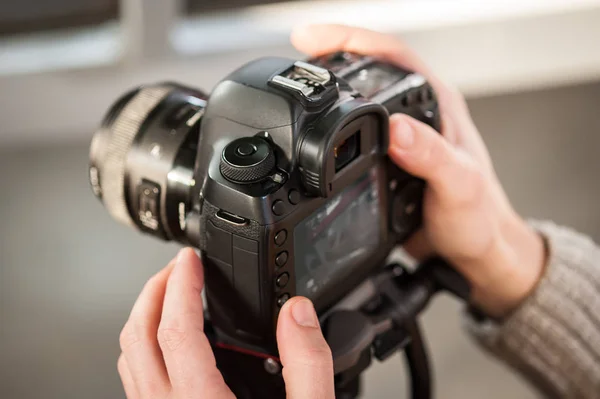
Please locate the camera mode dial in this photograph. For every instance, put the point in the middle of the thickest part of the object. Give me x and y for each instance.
(247, 160)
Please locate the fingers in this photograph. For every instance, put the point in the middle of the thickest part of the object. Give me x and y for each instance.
(451, 175)
(138, 339)
(305, 355)
(317, 40)
(187, 353)
(323, 39)
(163, 343)
(126, 378)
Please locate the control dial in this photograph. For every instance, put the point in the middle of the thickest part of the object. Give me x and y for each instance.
(247, 160)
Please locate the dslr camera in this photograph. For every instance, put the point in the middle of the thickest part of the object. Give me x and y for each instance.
(279, 178)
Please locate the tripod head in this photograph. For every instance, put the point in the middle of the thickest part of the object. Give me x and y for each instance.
(377, 319)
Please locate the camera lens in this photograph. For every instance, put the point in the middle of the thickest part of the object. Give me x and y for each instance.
(142, 158)
(346, 151)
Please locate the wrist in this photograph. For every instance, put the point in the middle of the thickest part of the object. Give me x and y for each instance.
(514, 266)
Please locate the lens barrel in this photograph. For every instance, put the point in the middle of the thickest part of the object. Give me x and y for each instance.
(142, 158)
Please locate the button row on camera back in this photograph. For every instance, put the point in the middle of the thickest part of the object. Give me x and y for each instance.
(281, 259)
(282, 280)
(280, 237)
(279, 207)
(294, 197)
(283, 299)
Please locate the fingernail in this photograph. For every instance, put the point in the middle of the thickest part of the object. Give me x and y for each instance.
(183, 255)
(403, 135)
(173, 261)
(180, 256)
(304, 314)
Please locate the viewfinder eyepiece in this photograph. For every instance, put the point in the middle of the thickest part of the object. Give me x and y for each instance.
(350, 133)
(346, 151)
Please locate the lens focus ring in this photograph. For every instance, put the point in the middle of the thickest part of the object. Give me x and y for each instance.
(111, 145)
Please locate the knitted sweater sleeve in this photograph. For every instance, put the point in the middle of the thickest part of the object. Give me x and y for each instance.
(553, 338)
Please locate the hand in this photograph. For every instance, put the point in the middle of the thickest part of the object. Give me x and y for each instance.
(165, 353)
(467, 217)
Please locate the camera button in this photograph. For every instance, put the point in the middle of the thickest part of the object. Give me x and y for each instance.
(247, 160)
(281, 259)
(294, 197)
(245, 149)
(278, 208)
(280, 237)
(406, 210)
(282, 299)
(282, 280)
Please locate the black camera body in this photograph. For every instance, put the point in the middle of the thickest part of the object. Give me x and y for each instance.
(280, 178)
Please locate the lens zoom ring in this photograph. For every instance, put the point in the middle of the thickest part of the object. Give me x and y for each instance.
(124, 130)
(248, 174)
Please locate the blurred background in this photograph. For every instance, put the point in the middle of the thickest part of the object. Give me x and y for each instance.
(69, 274)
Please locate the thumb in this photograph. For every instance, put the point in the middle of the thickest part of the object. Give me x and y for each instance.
(450, 172)
(305, 355)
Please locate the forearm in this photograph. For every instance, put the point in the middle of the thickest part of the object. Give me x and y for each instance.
(553, 337)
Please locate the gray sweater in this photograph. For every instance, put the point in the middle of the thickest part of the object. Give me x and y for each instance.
(553, 338)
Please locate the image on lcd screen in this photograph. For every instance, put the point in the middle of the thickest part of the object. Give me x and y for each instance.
(337, 237)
